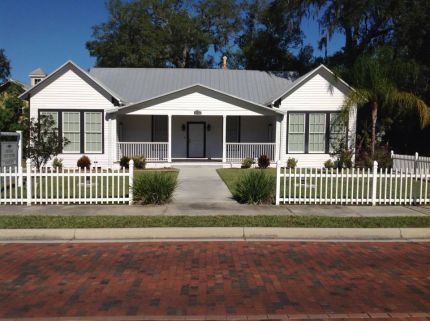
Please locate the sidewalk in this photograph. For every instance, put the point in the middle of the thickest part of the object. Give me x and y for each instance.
(217, 208)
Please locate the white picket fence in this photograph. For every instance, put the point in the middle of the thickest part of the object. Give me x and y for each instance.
(410, 162)
(66, 186)
(351, 186)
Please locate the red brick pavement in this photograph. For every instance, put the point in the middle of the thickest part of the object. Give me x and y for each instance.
(216, 280)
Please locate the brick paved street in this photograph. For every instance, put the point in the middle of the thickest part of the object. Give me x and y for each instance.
(216, 280)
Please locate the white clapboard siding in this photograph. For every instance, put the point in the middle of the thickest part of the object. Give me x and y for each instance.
(66, 186)
(351, 186)
(70, 92)
(236, 152)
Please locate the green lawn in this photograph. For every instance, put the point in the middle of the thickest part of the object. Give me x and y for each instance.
(14, 222)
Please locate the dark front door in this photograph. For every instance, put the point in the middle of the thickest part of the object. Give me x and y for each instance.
(196, 139)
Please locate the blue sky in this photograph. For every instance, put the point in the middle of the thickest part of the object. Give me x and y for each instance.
(46, 33)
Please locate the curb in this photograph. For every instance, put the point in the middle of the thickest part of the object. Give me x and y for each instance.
(244, 233)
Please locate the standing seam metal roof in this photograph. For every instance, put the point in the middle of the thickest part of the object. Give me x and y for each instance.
(138, 84)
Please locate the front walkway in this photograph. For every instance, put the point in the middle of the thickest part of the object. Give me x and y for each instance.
(215, 281)
(201, 185)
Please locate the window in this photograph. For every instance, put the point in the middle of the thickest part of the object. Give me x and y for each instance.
(53, 114)
(296, 133)
(317, 130)
(337, 131)
(37, 80)
(72, 131)
(93, 132)
(233, 129)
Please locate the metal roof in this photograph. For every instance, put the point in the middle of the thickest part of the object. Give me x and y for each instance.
(38, 72)
(139, 84)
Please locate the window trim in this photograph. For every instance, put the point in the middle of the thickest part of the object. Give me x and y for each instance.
(304, 133)
(327, 133)
(62, 131)
(85, 132)
(82, 127)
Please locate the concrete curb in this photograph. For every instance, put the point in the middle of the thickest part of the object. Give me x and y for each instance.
(245, 233)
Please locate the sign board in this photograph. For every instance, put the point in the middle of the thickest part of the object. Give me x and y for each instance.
(9, 154)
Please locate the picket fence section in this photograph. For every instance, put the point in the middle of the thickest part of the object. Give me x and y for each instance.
(66, 186)
(351, 186)
(414, 162)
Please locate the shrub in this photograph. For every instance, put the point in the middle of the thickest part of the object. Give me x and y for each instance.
(247, 162)
(292, 163)
(154, 188)
(139, 162)
(328, 164)
(84, 162)
(345, 159)
(255, 187)
(57, 163)
(263, 161)
(123, 162)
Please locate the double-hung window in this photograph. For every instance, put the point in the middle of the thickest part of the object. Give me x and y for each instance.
(296, 132)
(317, 135)
(93, 132)
(314, 132)
(72, 131)
(53, 114)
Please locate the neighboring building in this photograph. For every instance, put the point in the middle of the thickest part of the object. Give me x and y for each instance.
(170, 115)
(9, 92)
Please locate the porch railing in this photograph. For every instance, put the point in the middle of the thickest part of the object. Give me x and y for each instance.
(235, 152)
(150, 150)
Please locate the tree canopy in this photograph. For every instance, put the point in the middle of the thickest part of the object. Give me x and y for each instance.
(4, 66)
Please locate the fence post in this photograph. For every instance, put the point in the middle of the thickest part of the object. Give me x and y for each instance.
(374, 182)
(19, 132)
(28, 184)
(130, 181)
(278, 182)
(416, 163)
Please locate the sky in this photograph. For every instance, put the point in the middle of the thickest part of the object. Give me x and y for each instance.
(47, 33)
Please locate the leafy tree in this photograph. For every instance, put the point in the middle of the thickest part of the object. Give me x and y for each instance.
(372, 79)
(45, 141)
(13, 111)
(4, 67)
(149, 33)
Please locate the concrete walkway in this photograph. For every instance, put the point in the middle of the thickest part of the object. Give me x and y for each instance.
(201, 185)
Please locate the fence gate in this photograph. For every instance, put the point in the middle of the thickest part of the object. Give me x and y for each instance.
(351, 186)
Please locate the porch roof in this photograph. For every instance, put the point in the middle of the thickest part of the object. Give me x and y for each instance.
(195, 88)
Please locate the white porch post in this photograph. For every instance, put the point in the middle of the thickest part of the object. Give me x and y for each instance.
(278, 139)
(224, 137)
(169, 136)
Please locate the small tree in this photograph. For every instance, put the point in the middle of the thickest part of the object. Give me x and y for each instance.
(44, 141)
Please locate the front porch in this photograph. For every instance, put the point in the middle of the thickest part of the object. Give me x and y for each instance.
(224, 139)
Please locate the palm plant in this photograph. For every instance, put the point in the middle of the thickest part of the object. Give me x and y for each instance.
(372, 78)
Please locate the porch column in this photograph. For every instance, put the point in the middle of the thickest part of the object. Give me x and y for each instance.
(169, 138)
(278, 131)
(224, 137)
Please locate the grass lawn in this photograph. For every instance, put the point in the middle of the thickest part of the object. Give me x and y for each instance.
(15, 222)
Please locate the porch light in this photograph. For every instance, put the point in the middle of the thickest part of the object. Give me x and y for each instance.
(209, 127)
(183, 127)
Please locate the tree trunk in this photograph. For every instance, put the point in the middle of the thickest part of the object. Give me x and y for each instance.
(374, 119)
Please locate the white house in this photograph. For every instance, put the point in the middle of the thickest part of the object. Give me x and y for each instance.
(172, 115)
